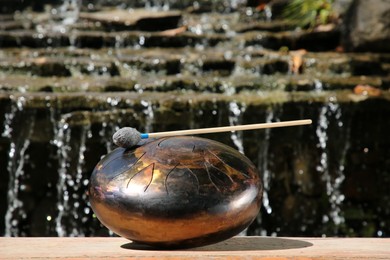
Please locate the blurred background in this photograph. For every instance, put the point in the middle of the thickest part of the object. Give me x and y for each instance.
(73, 72)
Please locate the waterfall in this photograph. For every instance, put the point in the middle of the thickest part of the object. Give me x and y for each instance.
(164, 5)
(71, 180)
(17, 158)
(106, 133)
(119, 42)
(332, 180)
(69, 11)
(263, 166)
(62, 140)
(318, 85)
(61, 17)
(234, 4)
(268, 13)
(78, 182)
(149, 115)
(236, 113)
(263, 162)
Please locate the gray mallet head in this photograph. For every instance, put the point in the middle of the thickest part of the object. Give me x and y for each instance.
(126, 137)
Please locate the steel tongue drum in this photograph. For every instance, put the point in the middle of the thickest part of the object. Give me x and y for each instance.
(176, 192)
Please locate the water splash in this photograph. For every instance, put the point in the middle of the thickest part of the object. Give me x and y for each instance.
(119, 41)
(8, 119)
(228, 88)
(235, 4)
(69, 11)
(164, 5)
(268, 13)
(318, 85)
(61, 17)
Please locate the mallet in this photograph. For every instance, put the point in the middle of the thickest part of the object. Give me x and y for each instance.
(127, 137)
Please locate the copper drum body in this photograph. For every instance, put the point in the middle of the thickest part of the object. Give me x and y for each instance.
(176, 192)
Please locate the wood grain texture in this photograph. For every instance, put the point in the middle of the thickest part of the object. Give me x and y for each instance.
(235, 248)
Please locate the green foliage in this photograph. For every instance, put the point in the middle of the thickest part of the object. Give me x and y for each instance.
(309, 12)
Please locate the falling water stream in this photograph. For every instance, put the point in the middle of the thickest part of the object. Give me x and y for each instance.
(62, 140)
(107, 130)
(148, 112)
(333, 181)
(62, 17)
(263, 166)
(16, 160)
(263, 162)
(236, 118)
(71, 198)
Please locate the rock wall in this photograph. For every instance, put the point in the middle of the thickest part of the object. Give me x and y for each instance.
(368, 26)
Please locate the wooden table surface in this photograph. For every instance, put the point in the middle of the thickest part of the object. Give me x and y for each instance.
(235, 248)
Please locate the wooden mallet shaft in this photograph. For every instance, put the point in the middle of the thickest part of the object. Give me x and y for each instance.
(226, 129)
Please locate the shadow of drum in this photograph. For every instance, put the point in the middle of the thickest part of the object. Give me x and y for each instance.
(238, 244)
